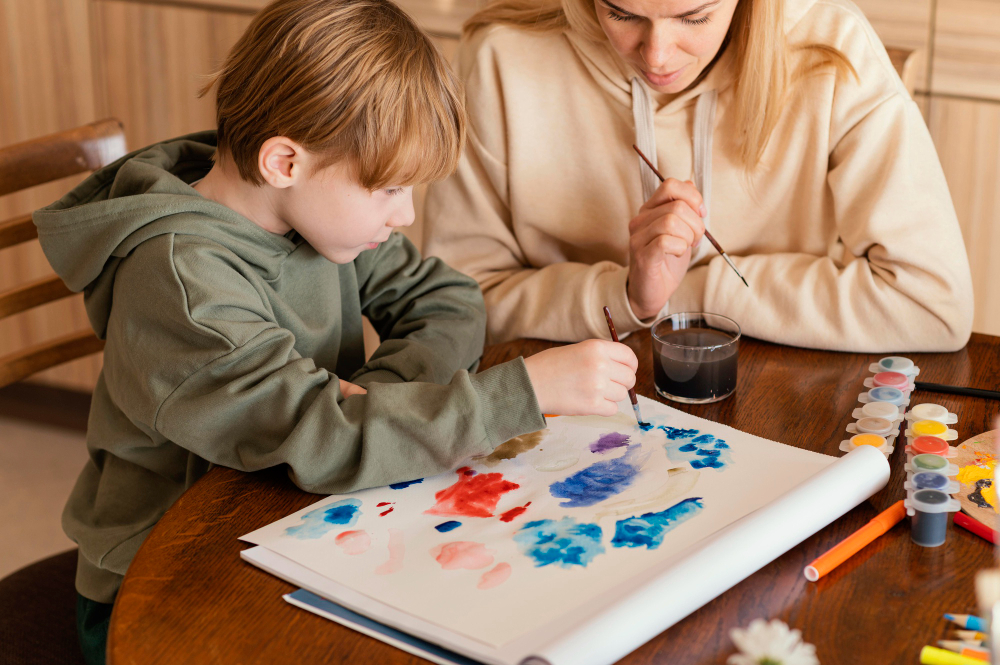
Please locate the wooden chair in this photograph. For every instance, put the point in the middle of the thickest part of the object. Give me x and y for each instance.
(25, 165)
(904, 61)
(38, 602)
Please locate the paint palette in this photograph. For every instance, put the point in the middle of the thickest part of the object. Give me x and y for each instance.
(976, 459)
(883, 405)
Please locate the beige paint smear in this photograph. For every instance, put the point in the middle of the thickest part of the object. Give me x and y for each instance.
(680, 481)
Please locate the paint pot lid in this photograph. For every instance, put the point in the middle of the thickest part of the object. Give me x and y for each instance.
(929, 428)
(930, 445)
(897, 364)
(932, 501)
(930, 462)
(873, 440)
(880, 410)
(879, 426)
(887, 394)
(892, 379)
(929, 412)
(931, 480)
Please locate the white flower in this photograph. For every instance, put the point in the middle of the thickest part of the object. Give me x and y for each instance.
(763, 643)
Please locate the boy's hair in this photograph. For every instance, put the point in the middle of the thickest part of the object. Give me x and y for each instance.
(352, 80)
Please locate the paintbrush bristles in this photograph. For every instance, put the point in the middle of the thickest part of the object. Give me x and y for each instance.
(708, 235)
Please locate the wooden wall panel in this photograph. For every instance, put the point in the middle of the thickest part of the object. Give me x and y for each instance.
(967, 136)
(967, 48)
(150, 61)
(46, 85)
(903, 24)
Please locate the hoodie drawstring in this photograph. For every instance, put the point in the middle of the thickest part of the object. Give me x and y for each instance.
(704, 129)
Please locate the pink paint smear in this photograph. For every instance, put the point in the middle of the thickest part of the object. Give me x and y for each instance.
(396, 551)
(495, 576)
(474, 495)
(354, 542)
(462, 555)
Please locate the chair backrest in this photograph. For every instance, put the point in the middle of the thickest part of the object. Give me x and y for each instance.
(903, 60)
(25, 165)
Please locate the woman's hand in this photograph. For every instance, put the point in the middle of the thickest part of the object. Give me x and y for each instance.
(661, 236)
(584, 379)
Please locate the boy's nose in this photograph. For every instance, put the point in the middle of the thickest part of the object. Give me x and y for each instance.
(405, 215)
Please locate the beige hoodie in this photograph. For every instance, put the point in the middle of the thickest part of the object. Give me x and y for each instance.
(846, 233)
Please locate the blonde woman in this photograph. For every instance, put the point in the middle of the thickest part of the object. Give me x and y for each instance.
(781, 126)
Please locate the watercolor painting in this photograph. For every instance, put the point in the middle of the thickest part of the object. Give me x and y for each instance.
(547, 521)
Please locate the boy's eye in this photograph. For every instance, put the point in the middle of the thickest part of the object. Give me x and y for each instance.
(392, 191)
(696, 21)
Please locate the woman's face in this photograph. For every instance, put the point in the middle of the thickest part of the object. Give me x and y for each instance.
(669, 42)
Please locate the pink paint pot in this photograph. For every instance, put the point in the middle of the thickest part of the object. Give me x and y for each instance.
(892, 380)
(930, 445)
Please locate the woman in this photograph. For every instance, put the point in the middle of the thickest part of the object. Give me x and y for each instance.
(781, 126)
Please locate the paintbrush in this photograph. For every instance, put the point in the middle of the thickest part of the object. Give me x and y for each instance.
(631, 391)
(707, 234)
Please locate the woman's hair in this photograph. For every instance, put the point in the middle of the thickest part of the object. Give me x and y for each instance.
(756, 34)
(352, 80)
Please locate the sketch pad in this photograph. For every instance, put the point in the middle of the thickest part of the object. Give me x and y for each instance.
(571, 547)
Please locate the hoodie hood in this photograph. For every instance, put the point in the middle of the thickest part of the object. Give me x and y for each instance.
(145, 194)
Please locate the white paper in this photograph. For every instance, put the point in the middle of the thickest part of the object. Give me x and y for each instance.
(547, 609)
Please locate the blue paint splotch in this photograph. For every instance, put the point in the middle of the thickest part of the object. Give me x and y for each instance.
(648, 529)
(317, 523)
(609, 441)
(406, 483)
(645, 427)
(599, 481)
(450, 525)
(701, 451)
(565, 543)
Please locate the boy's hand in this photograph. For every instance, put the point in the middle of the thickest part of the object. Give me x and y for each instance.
(583, 379)
(347, 389)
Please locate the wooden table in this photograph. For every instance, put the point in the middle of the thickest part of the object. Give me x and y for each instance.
(188, 598)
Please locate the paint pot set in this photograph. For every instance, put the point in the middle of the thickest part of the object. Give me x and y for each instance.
(929, 473)
(883, 406)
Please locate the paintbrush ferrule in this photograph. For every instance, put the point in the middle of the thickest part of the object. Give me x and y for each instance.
(735, 269)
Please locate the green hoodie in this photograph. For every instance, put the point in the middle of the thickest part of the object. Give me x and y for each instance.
(225, 343)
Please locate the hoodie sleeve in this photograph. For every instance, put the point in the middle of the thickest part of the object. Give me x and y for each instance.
(222, 379)
(897, 277)
(429, 317)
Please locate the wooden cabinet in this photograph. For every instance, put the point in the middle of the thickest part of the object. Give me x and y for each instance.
(967, 49)
(904, 24)
(967, 136)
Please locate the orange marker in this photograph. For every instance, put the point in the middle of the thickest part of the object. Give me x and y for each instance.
(854, 543)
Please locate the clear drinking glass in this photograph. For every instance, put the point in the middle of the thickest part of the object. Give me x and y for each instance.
(694, 356)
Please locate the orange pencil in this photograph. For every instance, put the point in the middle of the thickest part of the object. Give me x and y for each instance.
(854, 543)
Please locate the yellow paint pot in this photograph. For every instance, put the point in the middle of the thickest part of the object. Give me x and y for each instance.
(868, 440)
(929, 428)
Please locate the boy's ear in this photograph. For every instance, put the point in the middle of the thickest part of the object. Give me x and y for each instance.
(281, 161)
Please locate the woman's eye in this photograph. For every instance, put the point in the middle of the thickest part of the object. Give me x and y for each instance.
(696, 21)
(615, 16)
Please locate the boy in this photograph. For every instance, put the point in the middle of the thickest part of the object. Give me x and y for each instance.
(231, 292)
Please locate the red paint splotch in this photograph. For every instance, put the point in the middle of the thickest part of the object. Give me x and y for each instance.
(474, 495)
(514, 513)
(384, 503)
(386, 512)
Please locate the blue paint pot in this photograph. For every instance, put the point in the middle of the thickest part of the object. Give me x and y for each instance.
(887, 394)
(931, 480)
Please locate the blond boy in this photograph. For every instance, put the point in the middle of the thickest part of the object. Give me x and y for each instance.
(229, 273)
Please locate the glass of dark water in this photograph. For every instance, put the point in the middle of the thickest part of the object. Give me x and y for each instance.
(694, 357)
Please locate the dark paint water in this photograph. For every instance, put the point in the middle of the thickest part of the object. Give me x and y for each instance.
(694, 373)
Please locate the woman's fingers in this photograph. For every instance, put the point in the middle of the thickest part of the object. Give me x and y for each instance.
(672, 189)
